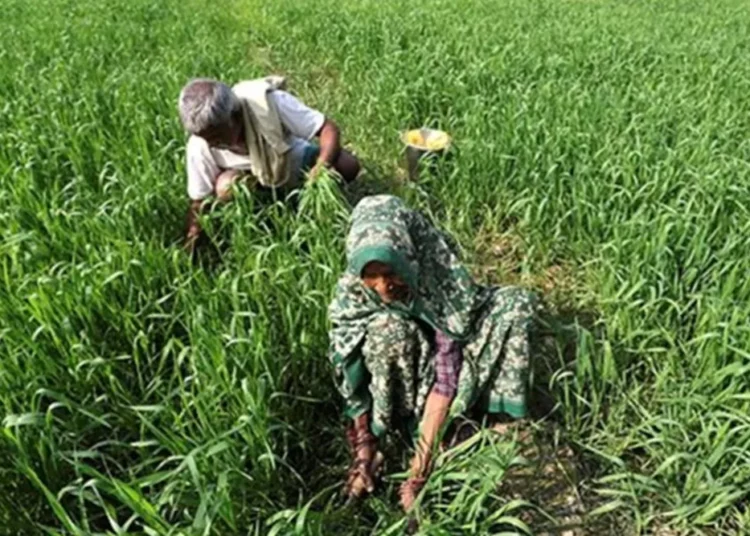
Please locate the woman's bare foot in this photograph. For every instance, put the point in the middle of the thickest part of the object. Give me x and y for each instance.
(509, 428)
(503, 428)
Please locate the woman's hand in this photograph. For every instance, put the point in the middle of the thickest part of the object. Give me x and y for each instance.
(362, 477)
(367, 460)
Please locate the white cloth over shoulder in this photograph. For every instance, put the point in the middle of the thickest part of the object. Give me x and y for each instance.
(300, 123)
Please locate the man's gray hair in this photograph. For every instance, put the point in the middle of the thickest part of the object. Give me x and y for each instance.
(206, 103)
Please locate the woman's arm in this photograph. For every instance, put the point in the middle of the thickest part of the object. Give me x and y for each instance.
(447, 368)
(433, 418)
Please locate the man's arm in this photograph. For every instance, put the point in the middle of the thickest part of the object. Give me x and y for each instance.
(202, 171)
(333, 156)
(306, 123)
(330, 143)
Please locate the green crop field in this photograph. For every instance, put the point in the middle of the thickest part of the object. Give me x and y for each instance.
(601, 156)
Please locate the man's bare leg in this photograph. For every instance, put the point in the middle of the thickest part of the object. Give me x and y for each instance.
(347, 165)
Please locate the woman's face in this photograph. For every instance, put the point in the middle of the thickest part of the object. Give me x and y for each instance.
(381, 278)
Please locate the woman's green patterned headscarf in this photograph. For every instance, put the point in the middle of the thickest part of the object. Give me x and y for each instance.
(443, 293)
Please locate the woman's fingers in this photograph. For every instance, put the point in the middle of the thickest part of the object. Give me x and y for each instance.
(355, 487)
(409, 491)
(367, 483)
(376, 466)
(359, 482)
(363, 477)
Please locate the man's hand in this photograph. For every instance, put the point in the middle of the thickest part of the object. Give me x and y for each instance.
(193, 230)
(320, 169)
(333, 156)
(315, 171)
(190, 242)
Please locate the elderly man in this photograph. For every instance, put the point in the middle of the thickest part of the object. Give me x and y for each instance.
(253, 130)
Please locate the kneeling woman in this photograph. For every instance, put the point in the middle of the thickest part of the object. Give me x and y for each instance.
(415, 340)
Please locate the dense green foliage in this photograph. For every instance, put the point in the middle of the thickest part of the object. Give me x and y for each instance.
(602, 154)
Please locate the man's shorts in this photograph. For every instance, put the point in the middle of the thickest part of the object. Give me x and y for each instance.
(309, 157)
